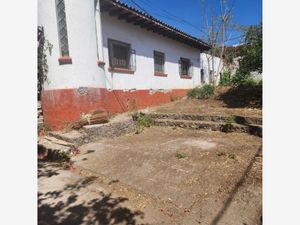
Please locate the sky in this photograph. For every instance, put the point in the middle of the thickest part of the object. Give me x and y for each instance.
(189, 16)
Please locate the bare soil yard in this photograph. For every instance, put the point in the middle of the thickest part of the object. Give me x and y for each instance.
(163, 175)
(167, 176)
(226, 101)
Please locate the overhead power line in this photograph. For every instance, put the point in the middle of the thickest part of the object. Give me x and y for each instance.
(153, 10)
(167, 15)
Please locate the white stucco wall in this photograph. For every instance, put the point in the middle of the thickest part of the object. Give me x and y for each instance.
(145, 42)
(206, 63)
(80, 18)
(83, 24)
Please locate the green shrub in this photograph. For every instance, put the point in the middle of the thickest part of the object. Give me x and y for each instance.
(145, 121)
(142, 120)
(205, 91)
(225, 79)
(240, 78)
(63, 156)
(245, 79)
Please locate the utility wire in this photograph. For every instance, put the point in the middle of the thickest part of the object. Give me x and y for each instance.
(167, 16)
(171, 16)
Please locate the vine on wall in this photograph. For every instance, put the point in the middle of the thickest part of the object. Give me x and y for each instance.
(44, 46)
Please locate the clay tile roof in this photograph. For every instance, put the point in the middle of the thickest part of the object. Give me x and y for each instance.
(146, 21)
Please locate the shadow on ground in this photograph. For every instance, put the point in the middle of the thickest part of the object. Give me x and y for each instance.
(66, 207)
(234, 191)
(242, 97)
(46, 171)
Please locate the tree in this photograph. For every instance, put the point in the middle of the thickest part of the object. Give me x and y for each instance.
(218, 31)
(251, 55)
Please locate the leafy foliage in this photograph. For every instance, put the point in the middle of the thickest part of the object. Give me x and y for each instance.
(240, 78)
(251, 55)
(203, 92)
(244, 79)
(225, 79)
(43, 47)
(142, 121)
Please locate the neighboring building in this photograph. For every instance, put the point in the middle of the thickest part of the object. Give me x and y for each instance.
(109, 56)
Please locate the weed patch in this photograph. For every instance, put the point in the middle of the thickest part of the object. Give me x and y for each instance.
(180, 155)
(203, 92)
(225, 79)
(142, 121)
(231, 156)
(230, 120)
(221, 153)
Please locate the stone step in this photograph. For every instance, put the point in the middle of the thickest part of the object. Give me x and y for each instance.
(211, 126)
(244, 120)
(58, 141)
(75, 137)
(111, 129)
(52, 148)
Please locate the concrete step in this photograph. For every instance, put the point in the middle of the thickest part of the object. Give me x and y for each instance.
(211, 126)
(244, 120)
(58, 141)
(54, 149)
(75, 137)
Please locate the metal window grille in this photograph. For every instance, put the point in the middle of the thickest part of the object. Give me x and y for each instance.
(191, 69)
(121, 55)
(185, 66)
(202, 76)
(62, 27)
(159, 62)
(132, 65)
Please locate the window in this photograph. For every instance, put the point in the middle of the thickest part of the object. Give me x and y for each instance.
(62, 28)
(185, 67)
(121, 56)
(211, 76)
(202, 76)
(159, 62)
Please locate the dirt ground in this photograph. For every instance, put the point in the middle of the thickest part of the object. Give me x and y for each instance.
(160, 176)
(216, 105)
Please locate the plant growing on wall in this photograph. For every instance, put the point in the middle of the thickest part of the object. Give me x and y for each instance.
(43, 47)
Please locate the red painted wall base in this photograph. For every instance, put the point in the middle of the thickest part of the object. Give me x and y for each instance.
(64, 106)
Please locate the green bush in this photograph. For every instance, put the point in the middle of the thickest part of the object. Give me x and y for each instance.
(240, 78)
(205, 91)
(143, 120)
(225, 79)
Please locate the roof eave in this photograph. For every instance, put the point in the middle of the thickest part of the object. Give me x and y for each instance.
(132, 15)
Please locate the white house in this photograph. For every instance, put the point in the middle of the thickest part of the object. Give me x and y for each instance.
(109, 56)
